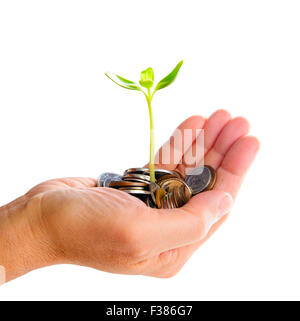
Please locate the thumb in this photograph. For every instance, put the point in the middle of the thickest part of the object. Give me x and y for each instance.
(190, 223)
(209, 207)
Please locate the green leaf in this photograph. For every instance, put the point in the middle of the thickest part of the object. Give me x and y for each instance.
(125, 83)
(170, 78)
(147, 74)
(146, 83)
(147, 78)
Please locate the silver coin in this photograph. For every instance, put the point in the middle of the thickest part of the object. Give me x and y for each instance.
(146, 171)
(134, 188)
(105, 178)
(138, 170)
(133, 179)
(138, 176)
(171, 202)
(136, 192)
(201, 179)
(166, 203)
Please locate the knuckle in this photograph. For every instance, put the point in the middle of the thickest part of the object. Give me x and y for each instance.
(169, 258)
(137, 251)
(171, 264)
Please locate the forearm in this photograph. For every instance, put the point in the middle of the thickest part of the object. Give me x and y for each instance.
(23, 244)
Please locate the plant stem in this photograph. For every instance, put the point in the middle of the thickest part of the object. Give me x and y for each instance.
(151, 160)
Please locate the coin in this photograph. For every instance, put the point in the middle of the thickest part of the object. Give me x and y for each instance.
(105, 178)
(158, 172)
(166, 176)
(161, 172)
(150, 203)
(132, 188)
(164, 202)
(138, 170)
(169, 190)
(152, 188)
(167, 202)
(201, 179)
(127, 184)
(159, 195)
(133, 179)
(170, 199)
(178, 192)
(134, 170)
(131, 191)
(138, 176)
(180, 197)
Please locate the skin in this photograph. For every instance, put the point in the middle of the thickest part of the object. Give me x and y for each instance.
(70, 220)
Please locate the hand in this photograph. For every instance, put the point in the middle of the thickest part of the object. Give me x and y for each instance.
(71, 220)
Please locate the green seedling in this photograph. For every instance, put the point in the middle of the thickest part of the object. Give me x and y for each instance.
(145, 84)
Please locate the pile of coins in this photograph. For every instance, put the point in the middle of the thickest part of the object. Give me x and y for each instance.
(170, 190)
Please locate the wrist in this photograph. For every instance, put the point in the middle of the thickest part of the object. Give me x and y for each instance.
(24, 245)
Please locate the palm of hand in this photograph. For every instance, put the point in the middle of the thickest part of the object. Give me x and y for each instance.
(113, 231)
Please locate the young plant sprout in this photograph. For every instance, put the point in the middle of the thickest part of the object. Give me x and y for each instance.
(145, 85)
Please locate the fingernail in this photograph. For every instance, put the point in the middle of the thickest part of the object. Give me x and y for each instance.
(225, 205)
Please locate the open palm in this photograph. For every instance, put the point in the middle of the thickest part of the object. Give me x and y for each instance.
(113, 231)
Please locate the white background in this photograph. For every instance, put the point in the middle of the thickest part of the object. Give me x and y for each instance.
(60, 116)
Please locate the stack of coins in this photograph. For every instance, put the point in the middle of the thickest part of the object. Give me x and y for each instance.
(170, 190)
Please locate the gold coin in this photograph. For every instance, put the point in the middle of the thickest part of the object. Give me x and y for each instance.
(159, 195)
(213, 179)
(178, 192)
(166, 176)
(127, 184)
